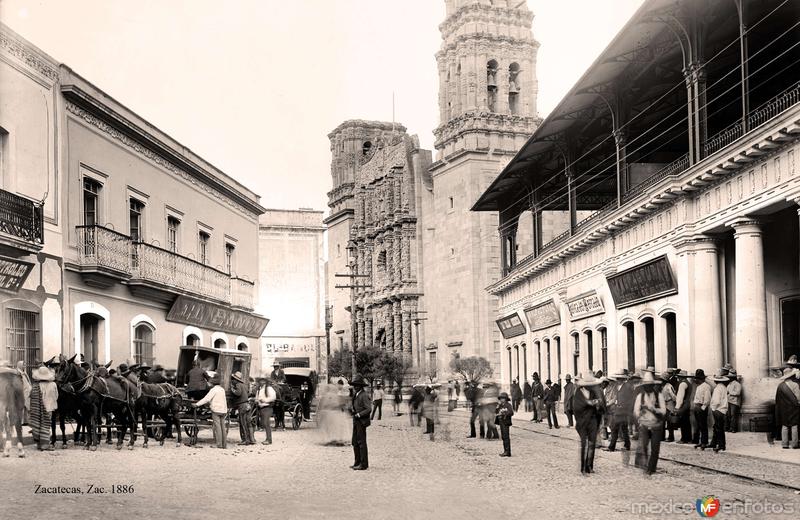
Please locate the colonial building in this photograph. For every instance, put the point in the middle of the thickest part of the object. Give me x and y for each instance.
(30, 187)
(681, 143)
(406, 220)
(292, 288)
(158, 246)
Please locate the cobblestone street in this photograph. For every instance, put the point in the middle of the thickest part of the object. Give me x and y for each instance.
(409, 477)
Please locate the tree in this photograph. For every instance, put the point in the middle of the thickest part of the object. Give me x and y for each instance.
(340, 364)
(473, 369)
(394, 367)
(367, 363)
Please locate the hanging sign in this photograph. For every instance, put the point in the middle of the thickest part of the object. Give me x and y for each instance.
(543, 315)
(511, 326)
(190, 311)
(648, 281)
(585, 305)
(13, 273)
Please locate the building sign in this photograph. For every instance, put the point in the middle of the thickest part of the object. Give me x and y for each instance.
(511, 326)
(190, 311)
(585, 305)
(644, 282)
(543, 315)
(13, 273)
(286, 348)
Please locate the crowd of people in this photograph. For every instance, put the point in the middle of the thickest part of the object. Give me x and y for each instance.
(612, 409)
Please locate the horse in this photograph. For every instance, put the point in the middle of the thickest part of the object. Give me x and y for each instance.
(12, 407)
(69, 404)
(100, 396)
(162, 400)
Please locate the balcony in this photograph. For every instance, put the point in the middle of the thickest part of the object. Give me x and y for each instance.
(664, 185)
(21, 223)
(107, 257)
(242, 293)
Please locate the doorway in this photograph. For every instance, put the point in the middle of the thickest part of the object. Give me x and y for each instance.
(90, 336)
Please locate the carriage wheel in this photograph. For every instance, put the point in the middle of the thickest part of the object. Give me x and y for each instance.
(297, 417)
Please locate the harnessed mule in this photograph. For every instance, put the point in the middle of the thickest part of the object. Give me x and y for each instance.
(98, 396)
(162, 400)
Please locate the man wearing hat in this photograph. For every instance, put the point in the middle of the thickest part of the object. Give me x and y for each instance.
(682, 406)
(650, 410)
(734, 401)
(702, 400)
(549, 399)
(668, 391)
(719, 409)
(569, 391)
(537, 393)
(216, 400)
(277, 374)
(265, 400)
(156, 376)
(503, 413)
(588, 406)
(787, 405)
(361, 408)
(241, 393)
(620, 411)
(377, 400)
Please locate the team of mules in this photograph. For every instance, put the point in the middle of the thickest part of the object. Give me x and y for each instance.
(87, 396)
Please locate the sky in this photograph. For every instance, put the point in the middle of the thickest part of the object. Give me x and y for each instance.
(255, 86)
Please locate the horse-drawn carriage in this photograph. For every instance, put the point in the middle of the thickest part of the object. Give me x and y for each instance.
(296, 394)
(221, 362)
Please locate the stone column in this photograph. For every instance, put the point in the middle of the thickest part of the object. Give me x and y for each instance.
(751, 342)
(389, 327)
(407, 332)
(368, 334)
(398, 327)
(398, 256)
(707, 340)
(360, 325)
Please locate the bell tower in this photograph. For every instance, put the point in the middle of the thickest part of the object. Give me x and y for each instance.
(487, 109)
(487, 77)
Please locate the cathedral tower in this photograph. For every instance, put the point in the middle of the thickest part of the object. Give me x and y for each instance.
(487, 103)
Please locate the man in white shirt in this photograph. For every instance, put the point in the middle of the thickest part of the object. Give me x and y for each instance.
(265, 400)
(719, 408)
(377, 401)
(216, 400)
(702, 400)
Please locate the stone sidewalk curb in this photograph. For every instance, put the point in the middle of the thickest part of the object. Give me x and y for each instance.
(749, 467)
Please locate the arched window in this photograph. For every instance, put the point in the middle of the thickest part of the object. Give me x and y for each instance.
(672, 339)
(513, 88)
(219, 343)
(589, 350)
(143, 344)
(242, 347)
(630, 341)
(491, 85)
(604, 349)
(576, 352)
(192, 340)
(650, 341)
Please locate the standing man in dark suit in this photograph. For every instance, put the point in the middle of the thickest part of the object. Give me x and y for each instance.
(361, 408)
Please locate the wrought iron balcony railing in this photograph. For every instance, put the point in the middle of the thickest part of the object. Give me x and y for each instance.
(105, 249)
(153, 264)
(757, 117)
(242, 293)
(21, 218)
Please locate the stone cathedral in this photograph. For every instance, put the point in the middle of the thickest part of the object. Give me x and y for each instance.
(403, 219)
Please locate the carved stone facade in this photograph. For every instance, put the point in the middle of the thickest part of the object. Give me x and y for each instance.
(407, 222)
